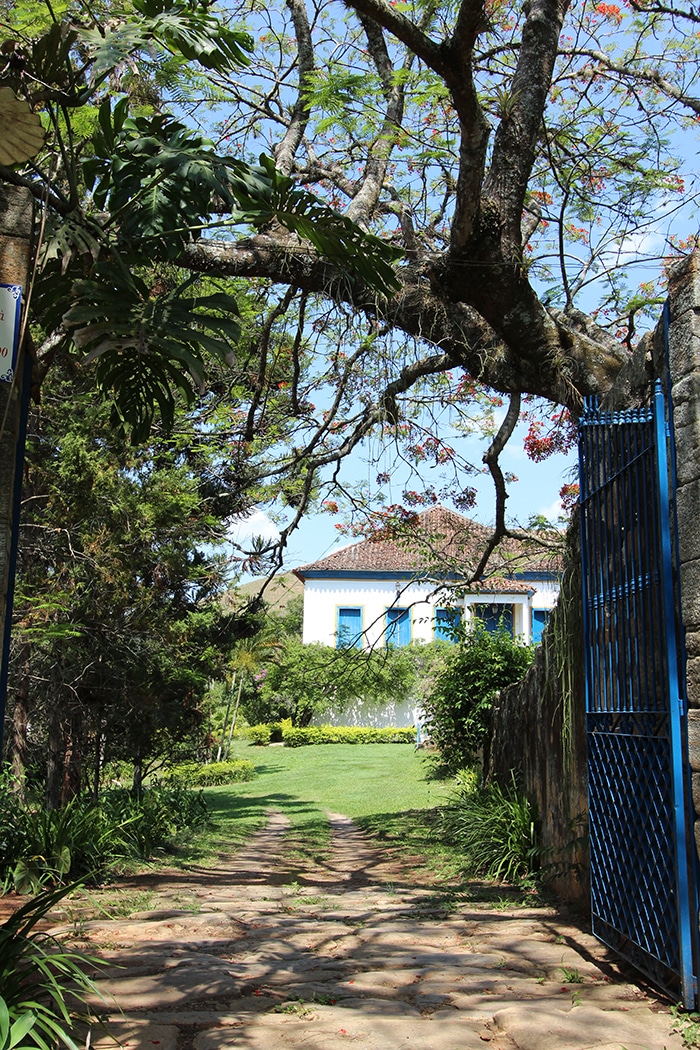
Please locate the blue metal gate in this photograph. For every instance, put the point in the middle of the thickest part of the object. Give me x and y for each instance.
(641, 886)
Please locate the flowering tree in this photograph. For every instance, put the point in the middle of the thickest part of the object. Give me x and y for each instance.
(521, 159)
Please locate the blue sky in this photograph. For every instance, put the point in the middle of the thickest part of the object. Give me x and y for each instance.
(536, 492)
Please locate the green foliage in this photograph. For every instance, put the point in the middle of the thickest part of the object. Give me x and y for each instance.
(495, 829)
(137, 183)
(117, 612)
(77, 840)
(259, 734)
(457, 710)
(40, 981)
(301, 681)
(687, 1025)
(84, 839)
(157, 816)
(194, 775)
(300, 736)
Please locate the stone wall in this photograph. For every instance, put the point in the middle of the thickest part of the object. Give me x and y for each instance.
(684, 363)
(538, 730)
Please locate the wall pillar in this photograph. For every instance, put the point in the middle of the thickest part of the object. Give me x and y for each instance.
(684, 367)
(16, 229)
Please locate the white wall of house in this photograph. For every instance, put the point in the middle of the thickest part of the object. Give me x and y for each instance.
(360, 714)
(323, 598)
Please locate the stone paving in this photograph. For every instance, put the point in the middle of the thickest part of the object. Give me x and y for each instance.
(355, 952)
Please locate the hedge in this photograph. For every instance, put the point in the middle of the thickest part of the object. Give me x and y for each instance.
(300, 736)
(191, 774)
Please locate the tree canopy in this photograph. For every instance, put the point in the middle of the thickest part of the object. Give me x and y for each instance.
(519, 158)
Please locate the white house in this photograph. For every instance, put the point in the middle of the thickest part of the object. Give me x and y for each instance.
(384, 591)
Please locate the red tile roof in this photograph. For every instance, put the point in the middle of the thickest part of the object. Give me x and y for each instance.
(438, 543)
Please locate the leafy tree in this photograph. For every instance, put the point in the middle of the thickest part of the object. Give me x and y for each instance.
(457, 709)
(123, 182)
(517, 156)
(301, 681)
(118, 621)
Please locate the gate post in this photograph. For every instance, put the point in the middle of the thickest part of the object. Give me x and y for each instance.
(683, 339)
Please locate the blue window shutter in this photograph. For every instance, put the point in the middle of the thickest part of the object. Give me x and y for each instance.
(349, 633)
(398, 627)
(540, 618)
(445, 622)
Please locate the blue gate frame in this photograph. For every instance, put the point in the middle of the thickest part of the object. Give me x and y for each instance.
(642, 886)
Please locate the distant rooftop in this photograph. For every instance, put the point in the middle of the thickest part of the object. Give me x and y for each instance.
(440, 541)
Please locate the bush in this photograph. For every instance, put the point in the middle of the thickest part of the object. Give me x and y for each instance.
(41, 982)
(84, 838)
(298, 736)
(495, 829)
(152, 820)
(457, 710)
(259, 734)
(194, 775)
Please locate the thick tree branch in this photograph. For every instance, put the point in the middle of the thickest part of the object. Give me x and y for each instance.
(285, 152)
(521, 119)
(546, 353)
(433, 54)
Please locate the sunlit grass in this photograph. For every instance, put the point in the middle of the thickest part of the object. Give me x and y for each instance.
(374, 785)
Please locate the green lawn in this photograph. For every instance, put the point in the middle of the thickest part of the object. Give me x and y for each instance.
(384, 787)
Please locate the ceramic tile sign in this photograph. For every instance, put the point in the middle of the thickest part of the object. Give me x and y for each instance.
(10, 310)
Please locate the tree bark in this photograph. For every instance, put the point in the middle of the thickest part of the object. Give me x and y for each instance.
(20, 720)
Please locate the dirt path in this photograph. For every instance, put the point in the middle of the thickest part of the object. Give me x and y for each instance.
(356, 951)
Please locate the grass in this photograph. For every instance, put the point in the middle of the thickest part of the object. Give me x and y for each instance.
(385, 788)
(388, 790)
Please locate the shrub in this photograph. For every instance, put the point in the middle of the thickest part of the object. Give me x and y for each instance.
(77, 840)
(298, 736)
(194, 775)
(259, 734)
(457, 710)
(84, 838)
(150, 821)
(40, 981)
(495, 829)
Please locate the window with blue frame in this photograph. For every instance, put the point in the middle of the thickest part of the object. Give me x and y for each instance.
(540, 619)
(398, 627)
(349, 631)
(495, 617)
(446, 622)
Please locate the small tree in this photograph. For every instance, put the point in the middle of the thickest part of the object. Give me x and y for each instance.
(306, 680)
(457, 709)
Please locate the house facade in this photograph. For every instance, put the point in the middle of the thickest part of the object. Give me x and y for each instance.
(388, 590)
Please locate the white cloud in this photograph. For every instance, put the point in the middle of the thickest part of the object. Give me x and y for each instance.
(256, 524)
(553, 511)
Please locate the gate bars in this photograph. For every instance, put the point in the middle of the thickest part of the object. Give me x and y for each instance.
(641, 889)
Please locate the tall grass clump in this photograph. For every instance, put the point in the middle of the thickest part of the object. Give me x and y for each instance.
(86, 838)
(494, 829)
(40, 982)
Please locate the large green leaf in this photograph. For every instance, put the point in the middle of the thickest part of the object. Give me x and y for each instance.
(150, 346)
(183, 29)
